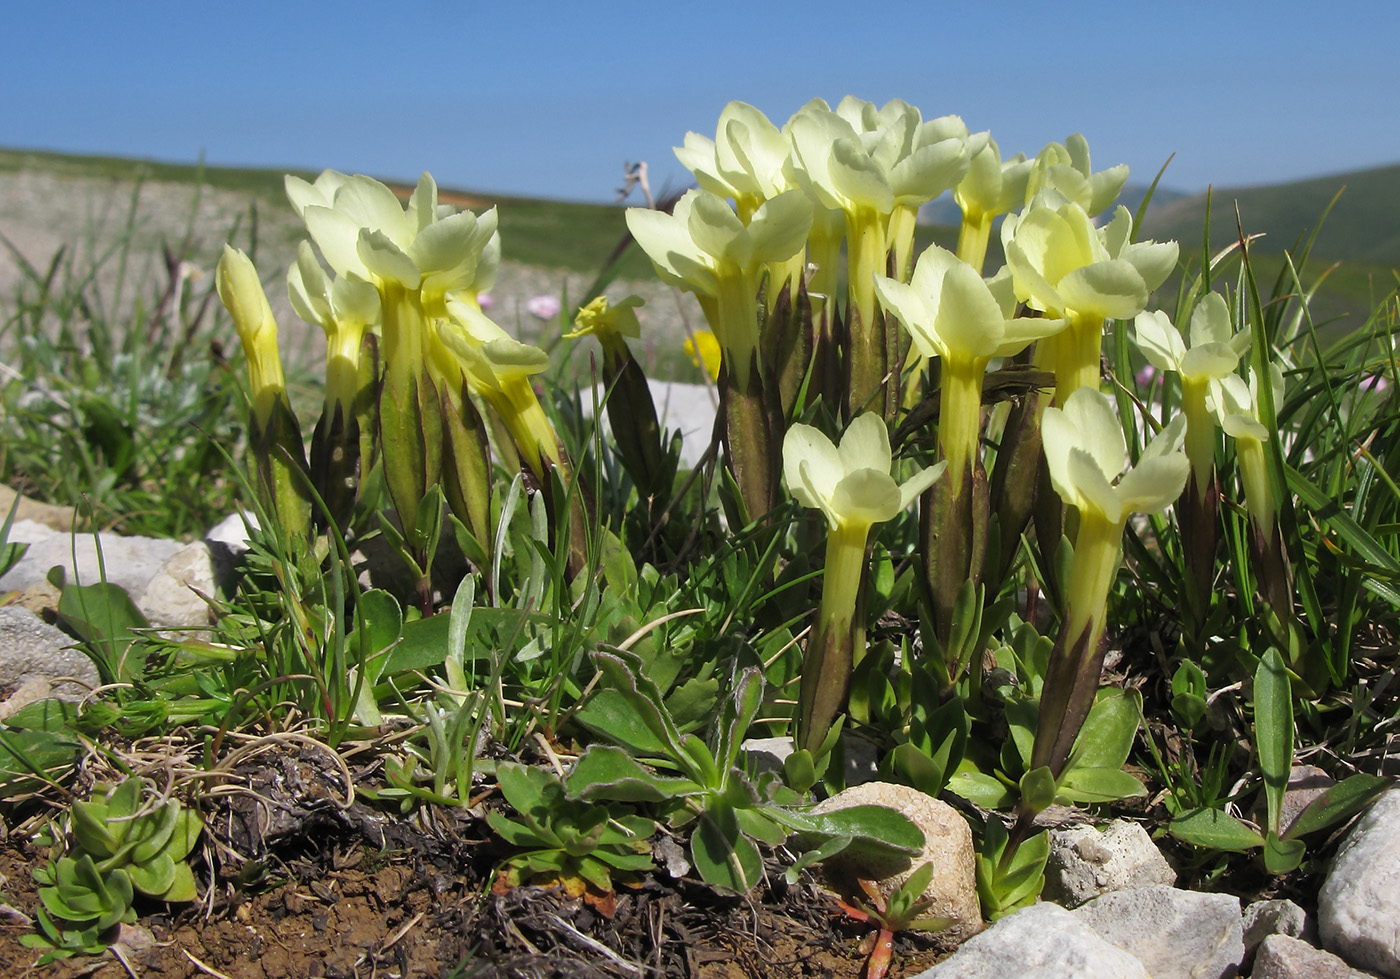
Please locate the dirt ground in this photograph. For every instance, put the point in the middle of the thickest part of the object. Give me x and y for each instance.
(297, 886)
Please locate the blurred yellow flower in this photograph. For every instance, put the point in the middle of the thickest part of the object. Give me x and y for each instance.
(703, 350)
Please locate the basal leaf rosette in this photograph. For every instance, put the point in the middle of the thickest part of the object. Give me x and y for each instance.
(851, 485)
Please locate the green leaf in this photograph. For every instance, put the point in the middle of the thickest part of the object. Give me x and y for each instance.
(105, 618)
(1082, 785)
(1338, 803)
(52, 715)
(736, 715)
(383, 623)
(645, 699)
(1108, 732)
(154, 877)
(188, 826)
(89, 826)
(722, 855)
(1282, 856)
(1273, 730)
(981, 789)
(609, 714)
(878, 834)
(1215, 830)
(515, 833)
(523, 786)
(29, 758)
(1038, 789)
(152, 831)
(182, 888)
(608, 772)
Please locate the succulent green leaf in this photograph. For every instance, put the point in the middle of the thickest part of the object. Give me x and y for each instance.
(153, 877)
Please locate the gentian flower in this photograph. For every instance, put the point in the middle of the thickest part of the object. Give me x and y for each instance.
(852, 486)
(1214, 354)
(1086, 456)
(1061, 264)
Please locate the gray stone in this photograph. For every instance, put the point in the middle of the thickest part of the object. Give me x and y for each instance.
(768, 755)
(687, 408)
(947, 845)
(1087, 861)
(1358, 908)
(1277, 917)
(174, 598)
(128, 562)
(1285, 957)
(1175, 934)
(1043, 940)
(31, 650)
(28, 532)
(233, 531)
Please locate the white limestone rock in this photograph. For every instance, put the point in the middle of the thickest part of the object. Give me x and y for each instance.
(1087, 861)
(1276, 917)
(1175, 934)
(947, 845)
(1285, 957)
(174, 598)
(1043, 940)
(1358, 908)
(128, 562)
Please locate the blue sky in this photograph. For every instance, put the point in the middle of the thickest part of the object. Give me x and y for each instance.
(549, 99)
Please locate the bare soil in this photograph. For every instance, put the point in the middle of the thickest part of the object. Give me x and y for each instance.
(325, 890)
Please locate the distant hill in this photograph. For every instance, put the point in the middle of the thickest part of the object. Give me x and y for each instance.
(944, 211)
(1363, 226)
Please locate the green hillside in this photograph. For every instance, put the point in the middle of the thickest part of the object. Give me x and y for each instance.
(1363, 226)
(554, 234)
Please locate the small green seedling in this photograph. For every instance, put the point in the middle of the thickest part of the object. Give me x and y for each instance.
(579, 845)
(119, 845)
(901, 911)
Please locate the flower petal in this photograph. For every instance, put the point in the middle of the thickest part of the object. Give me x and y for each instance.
(383, 258)
(866, 444)
(866, 496)
(1210, 320)
(778, 229)
(1159, 341)
(1112, 289)
(914, 486)
(811, 466)
(1154, 483)
(906, 304)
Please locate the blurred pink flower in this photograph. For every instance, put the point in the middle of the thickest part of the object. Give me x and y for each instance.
(1374, 382)
(485, 301)
(543, 307)
(1146, 376)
